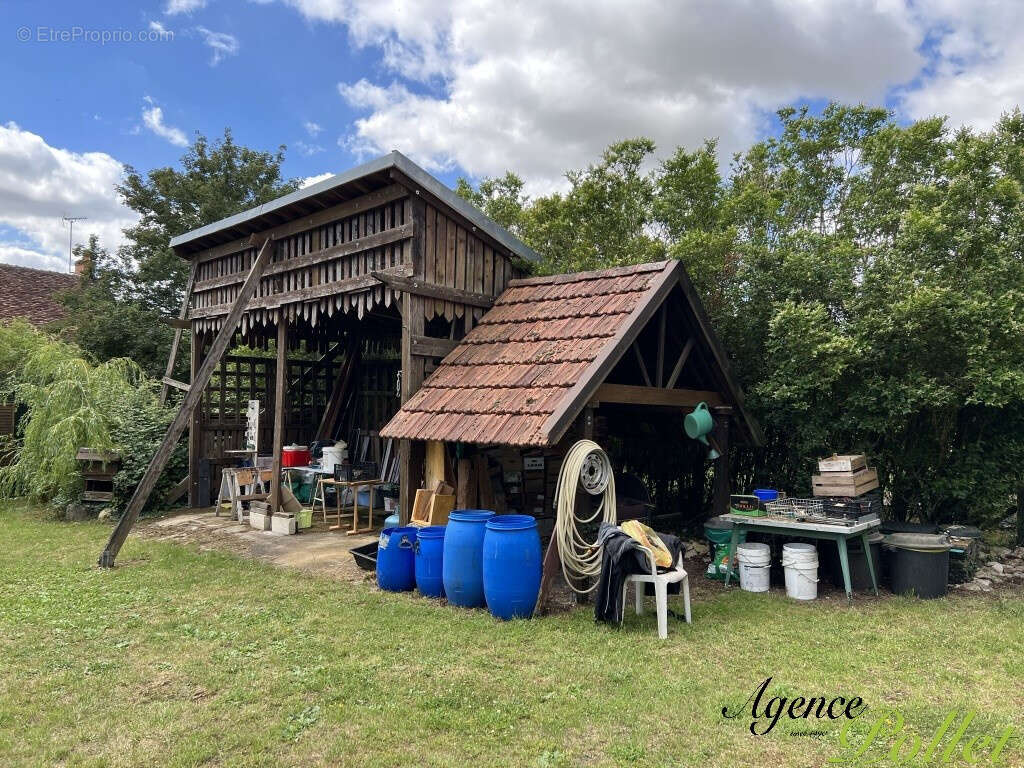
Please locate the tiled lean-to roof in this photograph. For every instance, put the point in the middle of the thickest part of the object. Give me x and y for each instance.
(524, 361)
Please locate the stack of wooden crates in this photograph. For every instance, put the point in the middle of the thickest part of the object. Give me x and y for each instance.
(847, 475)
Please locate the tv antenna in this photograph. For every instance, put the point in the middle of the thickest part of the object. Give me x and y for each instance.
(70, 220)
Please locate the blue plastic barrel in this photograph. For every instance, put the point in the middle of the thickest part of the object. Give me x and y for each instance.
(462, 564)
(511, 566)
(396, 571)
(429, 549)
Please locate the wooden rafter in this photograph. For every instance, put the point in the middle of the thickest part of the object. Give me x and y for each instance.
(678, 368)
(181, 419)
(642, 365)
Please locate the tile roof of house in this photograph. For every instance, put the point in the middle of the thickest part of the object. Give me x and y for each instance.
(521, 363)
(30, 293)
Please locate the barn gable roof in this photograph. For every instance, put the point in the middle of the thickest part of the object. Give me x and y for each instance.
(344, 186)
(524, 373)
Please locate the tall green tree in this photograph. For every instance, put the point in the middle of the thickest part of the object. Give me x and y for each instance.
(118, 313)
(867, 278)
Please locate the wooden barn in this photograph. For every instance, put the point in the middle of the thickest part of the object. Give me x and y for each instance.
(366, 284)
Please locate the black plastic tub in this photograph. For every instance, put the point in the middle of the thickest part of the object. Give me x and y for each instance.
(918, 563)
(366, 556)
(860, 577)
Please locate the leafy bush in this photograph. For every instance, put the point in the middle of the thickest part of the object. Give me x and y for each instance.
(68, 404)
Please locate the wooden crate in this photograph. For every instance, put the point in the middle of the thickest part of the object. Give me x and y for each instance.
(844, 463)
(845, 483)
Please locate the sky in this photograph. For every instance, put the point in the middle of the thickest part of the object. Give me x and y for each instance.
(469, 87)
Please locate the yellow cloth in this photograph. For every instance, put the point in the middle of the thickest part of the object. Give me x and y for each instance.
(648, 538)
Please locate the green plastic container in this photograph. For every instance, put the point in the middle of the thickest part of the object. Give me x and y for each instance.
(718, 532)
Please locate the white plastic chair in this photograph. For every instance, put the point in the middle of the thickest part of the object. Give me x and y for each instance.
(660, 582)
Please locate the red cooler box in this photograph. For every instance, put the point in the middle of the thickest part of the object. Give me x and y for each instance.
(295, 456)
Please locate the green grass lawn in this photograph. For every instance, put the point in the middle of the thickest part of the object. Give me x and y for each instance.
(180, 658)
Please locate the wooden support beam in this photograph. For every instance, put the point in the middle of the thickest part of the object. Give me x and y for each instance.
(180, 421)
(720, 498)
(195, 429)
(340, 390)
(178, 490)
(678, 368)
(280, 388)
(326, 216)
(341, 250)
(428, 346)
(419, 287)
(642, 365)
(660, 375)
(411, 453)
(313, 292)
(172, 358)
(673, 398)
(176, 322)
(169, 382)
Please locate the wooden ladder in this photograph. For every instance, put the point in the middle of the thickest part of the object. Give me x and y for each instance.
(191, 400)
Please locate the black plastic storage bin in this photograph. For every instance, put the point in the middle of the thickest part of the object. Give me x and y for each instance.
(918, 563)
(860, 579)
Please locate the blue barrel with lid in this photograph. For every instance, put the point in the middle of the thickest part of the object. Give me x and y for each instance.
(512, 566)
(429, 549)
(396, 571)
(462, 559)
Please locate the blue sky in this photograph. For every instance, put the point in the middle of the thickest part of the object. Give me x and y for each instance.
(467, 87)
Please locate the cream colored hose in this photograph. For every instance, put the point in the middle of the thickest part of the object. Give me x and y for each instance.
(588, 466)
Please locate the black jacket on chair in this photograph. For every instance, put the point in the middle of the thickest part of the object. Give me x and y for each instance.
(622, 555)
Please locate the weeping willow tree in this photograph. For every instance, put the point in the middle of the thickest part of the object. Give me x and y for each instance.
(67, 403)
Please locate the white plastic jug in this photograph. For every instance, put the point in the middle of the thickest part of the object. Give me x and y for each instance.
(800, 562)
(754, 561)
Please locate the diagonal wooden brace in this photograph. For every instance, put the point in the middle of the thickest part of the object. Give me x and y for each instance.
(192, 397)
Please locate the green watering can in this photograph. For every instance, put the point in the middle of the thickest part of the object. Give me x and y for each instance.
(698, 425)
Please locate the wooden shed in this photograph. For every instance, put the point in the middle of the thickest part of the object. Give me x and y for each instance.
(568, 356)
(370, 277)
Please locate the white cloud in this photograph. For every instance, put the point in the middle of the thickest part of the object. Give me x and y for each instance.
(156, 26)
(313, 129)
(39, 184)
(308, 149)
(153, 119)
(314, 179)
(978, 70)
(542, 86)
(221, 43)
(175, 7)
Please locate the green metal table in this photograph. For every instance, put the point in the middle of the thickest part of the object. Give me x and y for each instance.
(806, 529)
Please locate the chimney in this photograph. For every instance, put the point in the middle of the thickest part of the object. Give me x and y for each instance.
(83, 266)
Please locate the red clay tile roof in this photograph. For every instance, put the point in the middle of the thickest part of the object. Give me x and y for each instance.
(29, 293)
(514, 370)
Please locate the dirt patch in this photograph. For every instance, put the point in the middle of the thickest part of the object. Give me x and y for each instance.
(315, 550)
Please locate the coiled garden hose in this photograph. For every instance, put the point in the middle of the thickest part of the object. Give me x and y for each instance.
(588, 466)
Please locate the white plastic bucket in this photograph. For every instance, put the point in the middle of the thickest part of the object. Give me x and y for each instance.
(800, 562)
(754, 561)
(334, 454)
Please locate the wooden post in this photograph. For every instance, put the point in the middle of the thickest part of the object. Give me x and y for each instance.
(195, 430)
(720, 503)
(280, 387)
(411, 453)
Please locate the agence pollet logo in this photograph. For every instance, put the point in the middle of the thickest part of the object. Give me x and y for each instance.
(870, 736)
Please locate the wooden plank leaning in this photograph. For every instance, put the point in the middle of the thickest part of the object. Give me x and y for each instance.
(191, 399)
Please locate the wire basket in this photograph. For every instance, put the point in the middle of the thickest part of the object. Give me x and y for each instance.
(790, 507)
